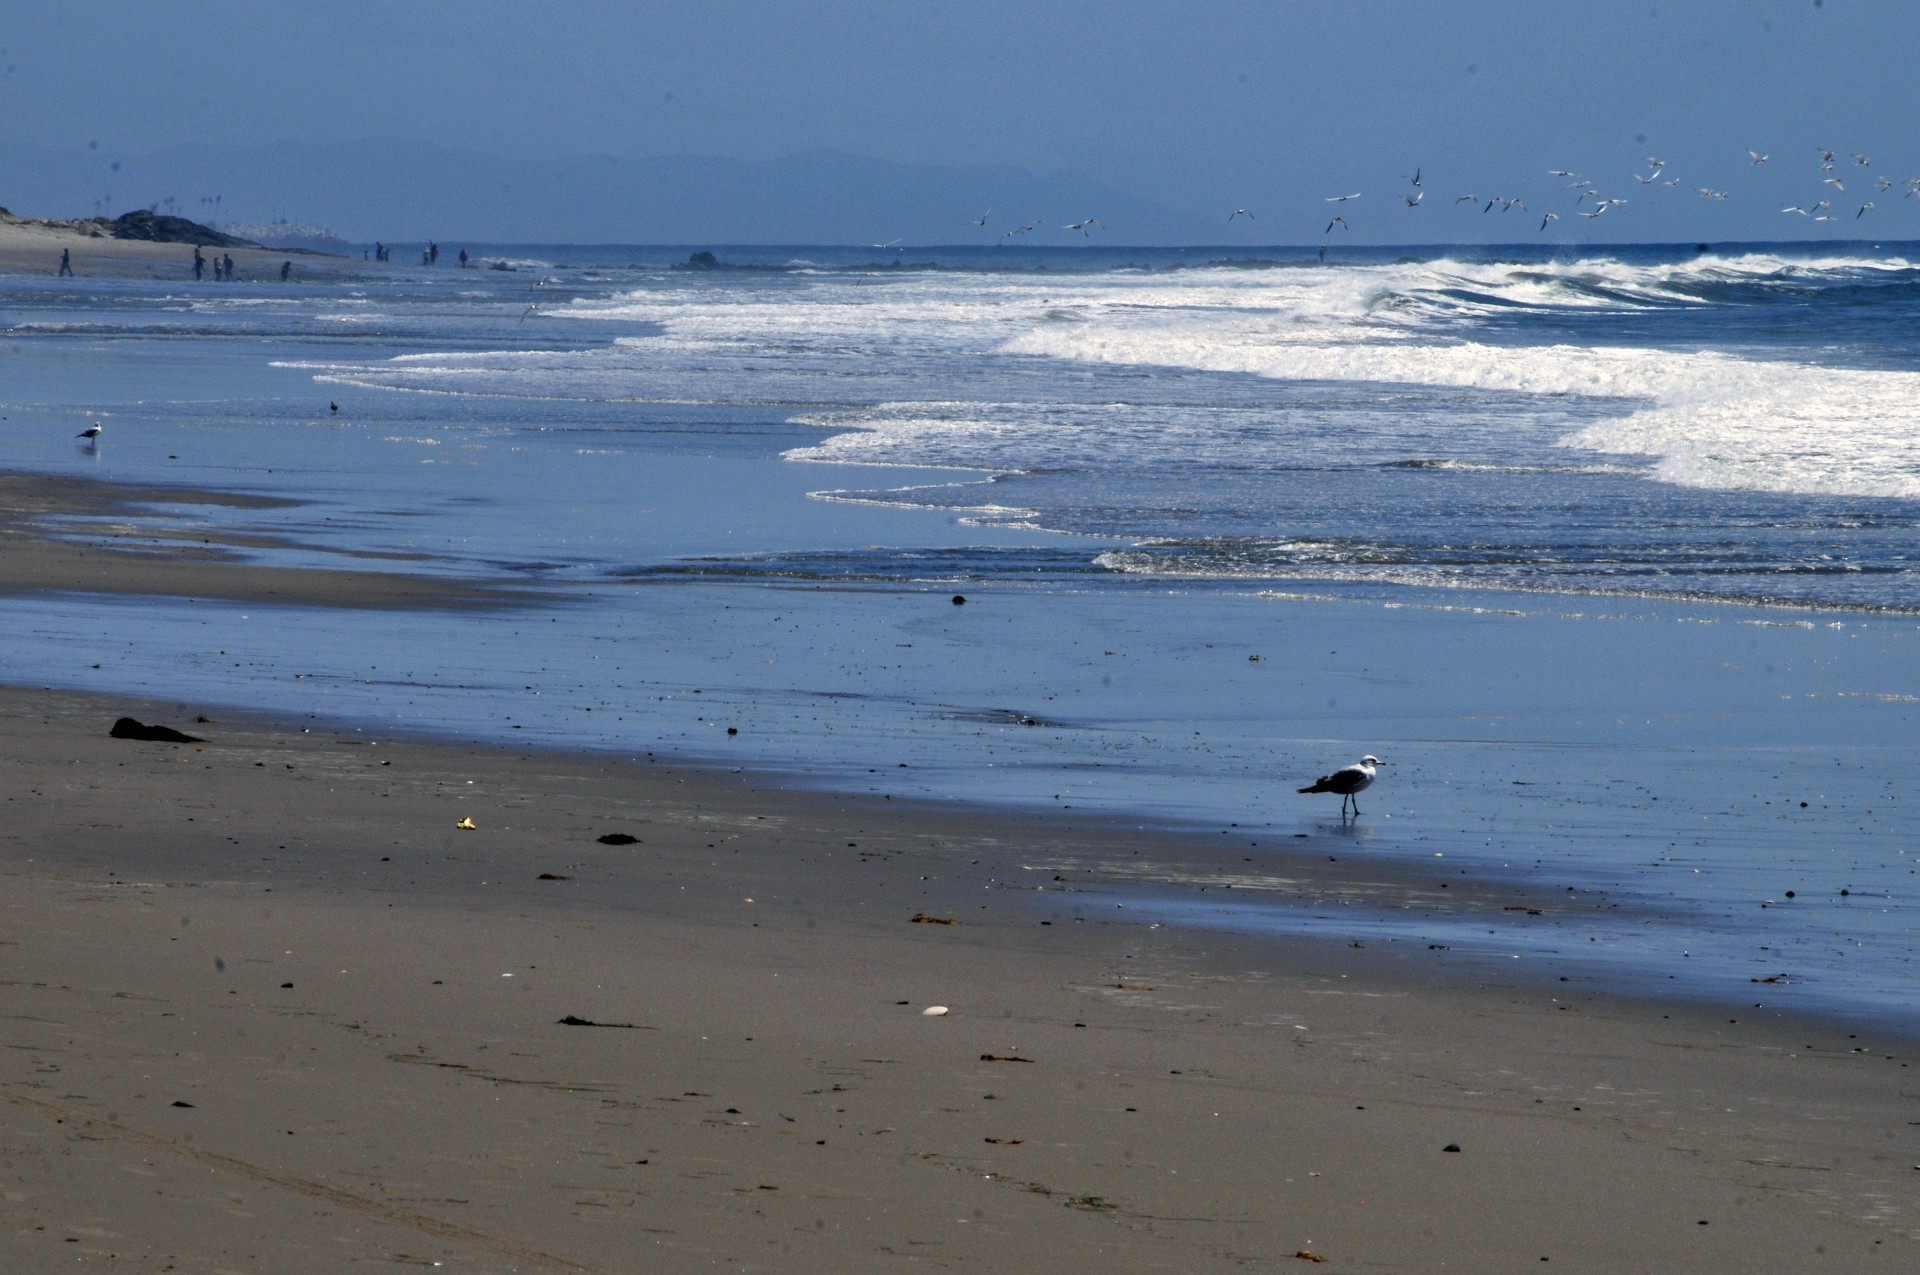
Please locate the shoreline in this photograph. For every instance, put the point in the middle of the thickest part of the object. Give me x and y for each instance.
(271, 972)
(97, 553)
(1278, 891)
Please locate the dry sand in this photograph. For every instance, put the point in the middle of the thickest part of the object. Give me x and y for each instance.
(268, 1006)
(33, 246)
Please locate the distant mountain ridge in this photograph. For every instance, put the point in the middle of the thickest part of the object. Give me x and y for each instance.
(404, 190)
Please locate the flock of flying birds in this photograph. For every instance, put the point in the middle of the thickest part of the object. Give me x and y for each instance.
(1823, 209)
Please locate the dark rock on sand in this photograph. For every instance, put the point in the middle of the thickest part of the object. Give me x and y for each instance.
(128, 728)
(619, 839)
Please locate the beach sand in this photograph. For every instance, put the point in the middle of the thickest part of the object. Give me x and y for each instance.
(269, 1006)
(33, 246)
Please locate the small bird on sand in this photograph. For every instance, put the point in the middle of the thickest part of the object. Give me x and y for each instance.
(1348, 781)
(90, 433)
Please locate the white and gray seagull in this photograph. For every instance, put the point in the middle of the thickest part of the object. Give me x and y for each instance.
(1348, 781)
(90, 433)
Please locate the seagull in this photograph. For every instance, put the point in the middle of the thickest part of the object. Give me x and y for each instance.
(1860, 159)
(982, 220)
(1348, 781)
(1549, 217)
(1415, 179)
(1413, 201)
(1337, 221)
(1241, 212)
(1756, 156)
(1467, 199)
(1826, 158)
(1794, 208)
(1341, 199)
(90, 433)
(1834, 182)
(1707, 192)
(1863, 210)
(1560, 172)
(1081, 226)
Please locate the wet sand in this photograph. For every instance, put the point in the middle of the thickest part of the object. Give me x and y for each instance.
(98, 550)
(269, 1005)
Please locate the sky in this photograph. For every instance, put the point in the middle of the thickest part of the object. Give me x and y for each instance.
(1274, 107)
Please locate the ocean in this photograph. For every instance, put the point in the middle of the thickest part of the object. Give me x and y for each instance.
(1612, 554)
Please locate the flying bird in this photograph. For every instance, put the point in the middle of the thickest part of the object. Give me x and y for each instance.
(1241, 212)
(1826, 158)
(1756, 156)
(1337, 221)
(1341, 199)
(1348, 781)
(1413, 201)
(1863, 210)
(1081, 226)
(1834, 182)
(1415, 179)
(981, 220)
(1549, 217)
(1860, 159)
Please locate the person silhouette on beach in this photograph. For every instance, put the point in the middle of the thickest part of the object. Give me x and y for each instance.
(199, 263)
(433, 253)
(286, 270)
(66, 262)
(219, 271)
(229, 260)
(463, 258)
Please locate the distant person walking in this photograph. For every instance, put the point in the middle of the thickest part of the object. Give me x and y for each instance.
(199, 263)
(463, 258)
(66, 263)
(229, 261)
(433, 253)
(286, 271)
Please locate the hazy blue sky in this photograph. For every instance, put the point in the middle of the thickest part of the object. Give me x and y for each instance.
(1271, 106)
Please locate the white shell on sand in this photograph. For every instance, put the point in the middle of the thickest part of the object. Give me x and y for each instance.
(933, 1011)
